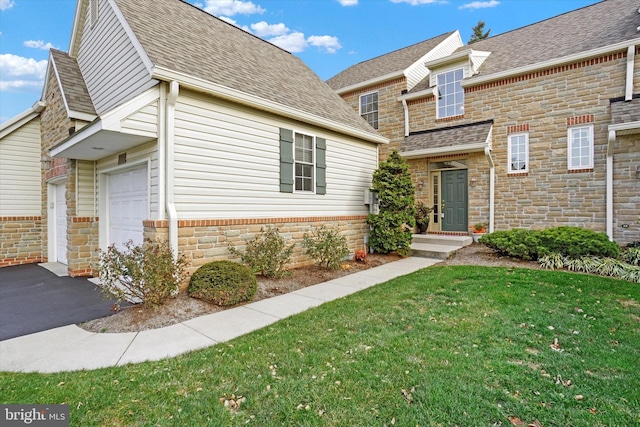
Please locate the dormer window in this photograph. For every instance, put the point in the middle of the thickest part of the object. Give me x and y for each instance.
(450, 93)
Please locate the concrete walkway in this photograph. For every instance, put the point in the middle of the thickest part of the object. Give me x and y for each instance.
(70, 348)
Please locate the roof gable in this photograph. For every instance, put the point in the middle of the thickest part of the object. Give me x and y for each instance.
(183, 38)
(74, 90)
(396, 62)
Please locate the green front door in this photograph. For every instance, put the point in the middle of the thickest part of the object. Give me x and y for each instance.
(454, 200)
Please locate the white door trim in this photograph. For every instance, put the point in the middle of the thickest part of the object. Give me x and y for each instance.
(52, 229)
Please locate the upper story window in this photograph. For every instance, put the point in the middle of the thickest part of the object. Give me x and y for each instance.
(369, 108)
(304, 162)
(519, 153)
(580, 147)
(450, 93)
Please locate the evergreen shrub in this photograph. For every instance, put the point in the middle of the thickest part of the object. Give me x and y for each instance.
(223, 283)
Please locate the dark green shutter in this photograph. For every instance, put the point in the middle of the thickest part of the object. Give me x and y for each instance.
(286, 161)
(321, 166)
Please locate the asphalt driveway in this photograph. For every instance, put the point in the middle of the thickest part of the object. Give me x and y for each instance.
(33, 299)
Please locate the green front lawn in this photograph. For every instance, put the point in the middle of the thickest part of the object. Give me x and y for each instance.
(467, 346)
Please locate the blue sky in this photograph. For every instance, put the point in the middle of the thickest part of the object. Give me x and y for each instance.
(328, 35)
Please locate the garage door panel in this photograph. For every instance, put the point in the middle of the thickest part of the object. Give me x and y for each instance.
(128, 206)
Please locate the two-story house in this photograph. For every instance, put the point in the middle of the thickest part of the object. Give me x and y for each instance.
(163, 122)
(533, 128)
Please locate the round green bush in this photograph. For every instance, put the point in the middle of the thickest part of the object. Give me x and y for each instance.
(223, 283)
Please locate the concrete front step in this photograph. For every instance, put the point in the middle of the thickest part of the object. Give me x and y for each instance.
(437, 246)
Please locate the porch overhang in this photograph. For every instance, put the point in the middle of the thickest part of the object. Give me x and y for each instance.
(467, 138)
(93, 142)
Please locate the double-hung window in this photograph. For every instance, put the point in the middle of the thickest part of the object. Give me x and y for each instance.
(580, 147)
(369, 108)
(518, 153)
(304, 162)
(450, 93)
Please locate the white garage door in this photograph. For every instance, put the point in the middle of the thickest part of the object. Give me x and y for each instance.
(60, 206)
(128, 206)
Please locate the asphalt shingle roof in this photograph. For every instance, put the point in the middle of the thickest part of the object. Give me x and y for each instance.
(73, 85)
(460, 136)
(395, 61)
(181, 37)
(591, 27)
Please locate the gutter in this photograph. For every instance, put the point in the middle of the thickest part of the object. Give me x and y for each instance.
(406, 117)
(473, 81)
(470, 148)
(375, 80)
(170, 136)
(253, 101)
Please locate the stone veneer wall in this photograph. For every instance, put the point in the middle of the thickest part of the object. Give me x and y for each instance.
(207, 240)
(20, 240)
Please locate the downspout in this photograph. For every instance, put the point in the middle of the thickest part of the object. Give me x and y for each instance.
(609, 184)
(161, 149)
(492, 183)
(174, 88)
(628, 93)
(406, 117)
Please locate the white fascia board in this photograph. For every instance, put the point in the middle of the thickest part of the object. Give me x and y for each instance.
(455, 57)
(136, 43)
(110, 121)
(235, 95)
(46, 76)
(76, 25)
(21, 119)
(551, 63)
(416, 95)
(457, 149)
(624, 126)
(375, 80)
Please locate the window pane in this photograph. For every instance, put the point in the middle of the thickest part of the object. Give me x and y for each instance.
(451, 99)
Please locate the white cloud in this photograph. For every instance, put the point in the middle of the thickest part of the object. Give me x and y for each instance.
(6, 4)
(348, 2)
(330, 43)
(415, 2)
(38, 44)
(14, 65)
(294, 42)
(262, 29)
(20, 84)
(480, 4)
(230, 7)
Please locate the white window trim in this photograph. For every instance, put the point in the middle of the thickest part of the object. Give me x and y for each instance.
(526, 155)
(592, 143)
(437, 91)
(360, 106)
(313, 164)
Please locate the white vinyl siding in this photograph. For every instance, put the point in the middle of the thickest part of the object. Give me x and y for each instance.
(144, 122)
(85, 183)
(20, 186)
(110, 64)
(227, 163)
(519, 153)
(580, 147)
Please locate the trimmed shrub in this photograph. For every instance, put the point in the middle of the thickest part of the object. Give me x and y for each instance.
(223, 283)
(391, 228)
(572, 242)
(266, 254)
(576, 242)
(326, 246)
(517, 243)
(146, 273)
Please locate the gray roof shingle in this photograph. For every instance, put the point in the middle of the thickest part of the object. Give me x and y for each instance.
(181, 37)
(72, 82)
(459, 136)
(395, 61)
(591, 27)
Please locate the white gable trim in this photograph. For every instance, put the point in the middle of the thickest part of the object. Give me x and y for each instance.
(235, 95)
(21, 119)
(417, 72)
(143, 54)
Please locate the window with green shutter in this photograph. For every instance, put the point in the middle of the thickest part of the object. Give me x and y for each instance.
(302, 163)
